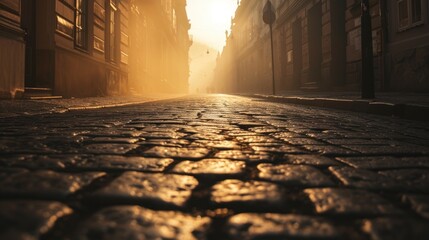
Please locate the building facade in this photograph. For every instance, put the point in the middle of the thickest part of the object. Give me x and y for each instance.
(72, 48)
(12, 49)
(160, 40)
(317, 46)
(407, 44)
(77, 48)
(81, 48)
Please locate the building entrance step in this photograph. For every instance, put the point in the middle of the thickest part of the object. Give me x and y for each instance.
(33, 93)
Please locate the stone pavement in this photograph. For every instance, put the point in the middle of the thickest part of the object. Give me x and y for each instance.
(414, 106)
(213, 167)
(20, 107)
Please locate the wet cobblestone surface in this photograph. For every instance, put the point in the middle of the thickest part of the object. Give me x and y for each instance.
(213, 167)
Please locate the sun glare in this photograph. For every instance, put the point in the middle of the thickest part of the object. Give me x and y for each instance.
(221, 14)
(210, 19)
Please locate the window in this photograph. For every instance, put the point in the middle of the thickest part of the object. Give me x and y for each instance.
(81, 24)
(65, 27)
(409, 13)
(112, 33)
(416, 7)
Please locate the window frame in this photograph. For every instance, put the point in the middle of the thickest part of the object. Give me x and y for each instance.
(410, 15)
(82, 12)
(113, 33)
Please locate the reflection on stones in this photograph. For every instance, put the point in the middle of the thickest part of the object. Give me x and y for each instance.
(277, 226)
(29, 219)
(132, 222)
(159, 189)
(247, 193)
(206, 167)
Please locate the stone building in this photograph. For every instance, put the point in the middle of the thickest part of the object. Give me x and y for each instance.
(12, 49)
(244, 64)
(79, 48)
(317, 45)
(407, 44)
(159, 35)
(72, 48)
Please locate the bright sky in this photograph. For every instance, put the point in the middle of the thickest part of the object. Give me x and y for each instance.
(210, 19)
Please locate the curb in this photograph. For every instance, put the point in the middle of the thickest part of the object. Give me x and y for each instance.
(56, 107)
(406, 111)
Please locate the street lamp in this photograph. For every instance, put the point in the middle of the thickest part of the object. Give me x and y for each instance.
(269, 17)
(367, 52)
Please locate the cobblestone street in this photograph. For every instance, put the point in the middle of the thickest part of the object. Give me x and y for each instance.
(213, 167)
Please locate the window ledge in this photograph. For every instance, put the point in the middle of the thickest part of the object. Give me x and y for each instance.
(80, 49)
(415, 25)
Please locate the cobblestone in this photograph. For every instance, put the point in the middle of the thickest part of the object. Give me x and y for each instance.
(329, 150)
(350, 202)
(169, 152)
(121, 163)
(116, 140)
(54, 162)
(359, 178)
(251, 193)
(420, 204)
(392, 150)
(213, 167)
(215, 144)
(396, 229)
(109, 148)
(314, 160)
(132, 222)
(257, 139)
(278, 149)
(276, 226)
(242, 155)
(379, 163)
(45, 184)
(294, 175)
(29, 219)
(158, 189)
(410, 179)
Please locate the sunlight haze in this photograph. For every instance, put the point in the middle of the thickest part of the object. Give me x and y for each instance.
(210, 19)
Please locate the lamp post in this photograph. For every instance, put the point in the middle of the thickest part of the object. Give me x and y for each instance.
(367, 52)
(269, 17)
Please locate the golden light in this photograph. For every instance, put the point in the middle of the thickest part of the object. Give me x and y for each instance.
(221, 13)
(209, 20)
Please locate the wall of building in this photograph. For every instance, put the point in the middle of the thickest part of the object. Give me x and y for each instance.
(12, 49)
(353, 30)
(151, 36)
(317, 46)
(57, 58)
(159, 37)
(408, 49)
(95, 68)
